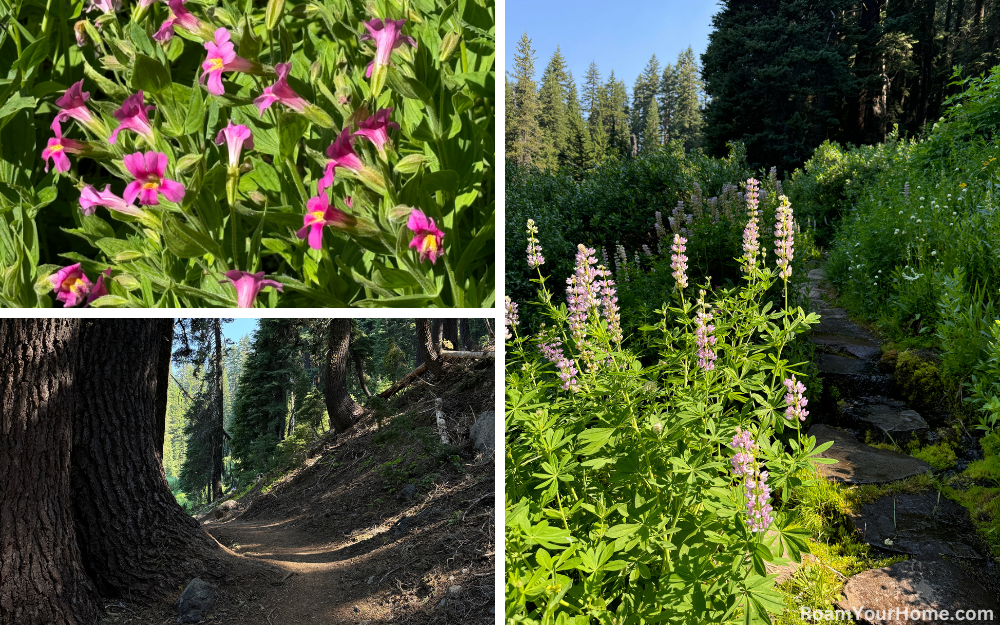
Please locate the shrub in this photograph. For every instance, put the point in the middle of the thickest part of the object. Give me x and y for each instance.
(940, 456)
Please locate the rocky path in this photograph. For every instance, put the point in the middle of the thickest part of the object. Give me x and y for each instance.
(934, 531)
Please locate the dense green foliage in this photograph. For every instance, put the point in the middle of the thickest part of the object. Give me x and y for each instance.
(620, 501)
(412, 136)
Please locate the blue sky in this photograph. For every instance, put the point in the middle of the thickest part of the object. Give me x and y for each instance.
(238, 329)
(619, 36)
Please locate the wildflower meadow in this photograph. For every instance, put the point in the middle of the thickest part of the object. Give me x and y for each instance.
(201, 153)
(649, 479)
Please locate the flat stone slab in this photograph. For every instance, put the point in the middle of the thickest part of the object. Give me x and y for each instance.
(860, 464)
(892, 421)
(881, 595)
(817, 274)
(850, 345)
(839, 324)
(923, 525)
(830, 363)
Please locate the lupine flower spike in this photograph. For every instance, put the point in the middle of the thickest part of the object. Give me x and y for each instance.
(320, 214)
(784, 241)
(149, 170)
(510, 316)
(71, 285)
(57, 148)
(281, 92)
(795, 399)
(427, 239)
(565, 367)
(91, 198)
(248, 285)
(221, 58)
(705, 338)
(751, 234)
(742, 461)
(583, 293)
(535, 258)
(133, 116)
(678, 261)
(758, 502)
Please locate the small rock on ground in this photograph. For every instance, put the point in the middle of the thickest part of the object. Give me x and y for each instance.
(195, 602)
(482, 433)
(916, 585)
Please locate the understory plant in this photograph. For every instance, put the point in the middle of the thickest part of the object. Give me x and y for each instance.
(317, 153)
(654, 493)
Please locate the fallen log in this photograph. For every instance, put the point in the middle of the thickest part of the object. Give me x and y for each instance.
(446, 354)
(460, 354)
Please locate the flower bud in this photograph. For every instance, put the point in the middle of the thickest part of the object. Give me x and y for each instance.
(80, 30)
(400, 213)
(448, 45)
(273, 13)
(315, 71)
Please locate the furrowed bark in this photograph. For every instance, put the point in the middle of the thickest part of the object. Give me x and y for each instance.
(341, 409)
(42, 580)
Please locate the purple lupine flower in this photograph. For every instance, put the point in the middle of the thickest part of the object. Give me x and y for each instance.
(609, 303)
(795, 399)
(784, 238)
(696, 202)
(758, 507)
(703, 334)
(743, 460)
(906, 190)
(510, 316)
(583, 292)
(565, 367)
(677, 219)
(661, 233)
(713, 209)
(780, 190)
(751, 197)
(751, 234)
(133, 115)
(773, 175)
(678, 261)
(535, 258)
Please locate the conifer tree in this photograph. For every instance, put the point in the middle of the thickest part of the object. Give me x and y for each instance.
(553, 118)
(579, 153)
(687, 121)
(615, 115)
(667, 101)
(643, 94)
(651, 132)
(525, 146)
(591, 95)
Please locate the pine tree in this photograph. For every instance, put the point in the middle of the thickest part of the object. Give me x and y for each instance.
(510, 119)
(553, 118)
(643, 94)
(651, 132)
(687, 121)
(615, 115)
(526, 145)
(591, 96)
(579, 154)
(667, 100)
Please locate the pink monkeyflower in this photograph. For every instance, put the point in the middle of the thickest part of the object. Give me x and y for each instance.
(133, 116)
(71, 285)
(427, 239)
(181, 17)
(387, 37)
(376, 128)
(320, 214)
(236, 137)
(149, 169)
(91, 198)
(343, 155)
(280, 92)
(57, 149)
(73, 105)
(105, 6)
(99, 289)
(248, 285)
(221, 58)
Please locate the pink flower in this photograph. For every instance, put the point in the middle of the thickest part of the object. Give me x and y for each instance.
(343, 155)
(91, 198)
(148, 170)
(181, 17)
(376, 128)
(784, 242)
(132, 116)
(387, 37)
(106, 6)
(320, 214)
(71, 285)
(221, 58)
(236, 137)
(57, 149)
(427, 237)
(248, 285)
(280, 92)
(678, 261)
(99, 289)
(73, 105)
(795, 399)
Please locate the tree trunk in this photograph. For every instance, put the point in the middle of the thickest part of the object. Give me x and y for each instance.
(136, 540)
(428, 351)
(163, 381)
(42, 580)
(359, 369)
(291, 414)
(217, 427)
(465, 334)
(449, 329)
(418, 353)
(342, 410)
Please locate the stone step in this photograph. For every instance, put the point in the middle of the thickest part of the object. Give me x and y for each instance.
(842, 365)
(817, 274)
(846, 345)
(839, 324)
(926, 525)
(860, 464)
(917, 585)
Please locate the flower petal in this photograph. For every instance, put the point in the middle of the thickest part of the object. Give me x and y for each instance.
(172, 190)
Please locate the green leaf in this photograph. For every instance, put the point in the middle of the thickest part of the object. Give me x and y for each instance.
(623, 531)
(32, 56)
(185, 241)
(412, 162)
(150, 75)
(444, 180)
(15, 104)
